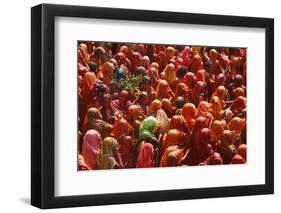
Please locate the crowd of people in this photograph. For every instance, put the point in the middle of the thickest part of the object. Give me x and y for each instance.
(155, 105)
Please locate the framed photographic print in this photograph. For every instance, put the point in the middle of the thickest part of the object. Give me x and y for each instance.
(141, 106)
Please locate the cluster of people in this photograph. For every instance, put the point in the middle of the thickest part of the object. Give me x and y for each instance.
(155, 105)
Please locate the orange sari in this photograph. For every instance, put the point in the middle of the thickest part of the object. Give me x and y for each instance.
(171, 157)
(189, 112)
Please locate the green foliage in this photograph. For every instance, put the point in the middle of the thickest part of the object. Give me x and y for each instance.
(132, 82)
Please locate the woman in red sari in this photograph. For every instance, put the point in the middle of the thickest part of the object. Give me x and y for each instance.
(167, 107)
(172, 157)
(237, 159)
(189, 80)
(135, 116)
(89, 81)
(200, 123)
(153, 75)
(196, 63)
(173, 137)
(107, 72)
(225, 146)
(122, 104)
(169, 73)
(201, 149)
(163, 90)
(217, 129)
(121, 127)
(93, 120)
(181, 90)
(237, 125)
(185, 55)
(214, 159)
(238, 105)
(178, 122)
(238, 91)
(203, 110)
(199, 92)
(242, 151)
(127, 151)
(216, 108)
(216, 67)
(200, 75)
(146, 156)
(107, 109)
(161, 116)
(189, 112)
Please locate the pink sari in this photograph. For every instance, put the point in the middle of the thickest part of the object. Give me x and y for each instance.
(91, 148)
(146, 156)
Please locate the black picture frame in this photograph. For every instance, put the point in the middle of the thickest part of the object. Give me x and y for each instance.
(43, 105)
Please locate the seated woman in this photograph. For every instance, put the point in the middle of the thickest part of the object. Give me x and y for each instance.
(181, 90)
(143, 101)
(222, 93)
(127, 151)
(189, 80)
(237, 159)
(199, 92)
(122, 132)
(189, 112)
(241, 156)
(214, 159)
(179, 103)
(172, 157)
(217, 129)
(107, 72)
(147, 128)
(238, 105)
(122, 104)
(225, 146)
(107, 109)
(153, 74)
(146, 156)
(163, 90)
(242, 151)
(200, 123)
(200, 150)
(216, 108)
(156, 111)
(93, 120)
(146, 86)
(178, 122)
(109, 156)
(173, 137)
(135, 116)
(168, 107)
(203, 110)
(121, 127)
(237, 125)
(91, 148)
(196, 63)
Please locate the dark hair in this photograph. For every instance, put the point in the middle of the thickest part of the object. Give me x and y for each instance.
(146, 80)
(180, 101)
(182, 70)
(153, 140)
(93, 66)
(102, 88)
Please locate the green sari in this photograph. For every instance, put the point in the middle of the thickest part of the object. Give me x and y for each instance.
(106, 158)
(147, 127)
